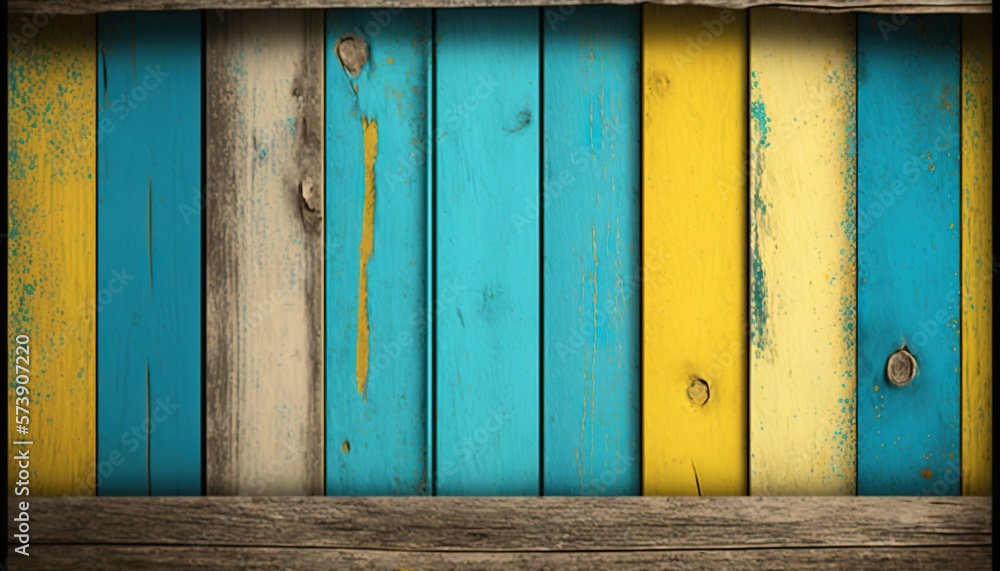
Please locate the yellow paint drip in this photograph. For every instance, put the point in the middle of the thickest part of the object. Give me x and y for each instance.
(367, 248)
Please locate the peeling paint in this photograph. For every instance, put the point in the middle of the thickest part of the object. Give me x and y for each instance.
(367, 248)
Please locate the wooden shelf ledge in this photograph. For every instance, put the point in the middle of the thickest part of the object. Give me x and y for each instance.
(492, 533)
(94, 6)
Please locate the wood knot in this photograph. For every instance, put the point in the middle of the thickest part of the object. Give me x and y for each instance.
(901, 368)
(311, 200)
(352, 51)
(698, 392)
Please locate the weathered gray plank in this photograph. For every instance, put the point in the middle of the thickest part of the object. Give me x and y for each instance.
(91, 6)
(512, 524)
(201, 558)
(264, 253)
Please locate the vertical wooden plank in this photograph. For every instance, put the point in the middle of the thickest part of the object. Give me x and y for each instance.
(592, 250)
(264, 234)
(376, 272)
(908, 250)
(803, 239)
(487, 285)
(149, 254)
(694, 251)
(52, 298)
(977, 256)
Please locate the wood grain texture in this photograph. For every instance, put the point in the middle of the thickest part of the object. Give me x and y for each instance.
(893, 6)
(264, 249)
(803, 232)
(199, 558)
(376, 271)
(694, 251)
(52, 298)
(592, 194)
(149, 254)
(488, 155)
(530, 526)
(978, 267)
(908, 254)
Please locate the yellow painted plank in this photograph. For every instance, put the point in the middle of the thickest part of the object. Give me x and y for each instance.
(52, 299)
(694, 251)
(977, 257)
(803, 252)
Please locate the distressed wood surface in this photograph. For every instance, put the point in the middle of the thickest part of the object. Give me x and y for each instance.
(978, 266)
(533, 533)
(694, 252)
(803, 233)
(52, 298)
(264, 249)
(562, 6)
(908, 254)
(200, 558)
(591, 198)
(376, 270)
(487, 154)
(149, 253)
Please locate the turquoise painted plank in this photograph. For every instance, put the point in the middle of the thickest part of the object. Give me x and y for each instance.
(487, 292)
(908, 253)
(376, 268)
(592, 294)
(149, 254)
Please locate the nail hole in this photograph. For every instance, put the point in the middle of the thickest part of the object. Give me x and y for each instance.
(901, 368)
(698, 392)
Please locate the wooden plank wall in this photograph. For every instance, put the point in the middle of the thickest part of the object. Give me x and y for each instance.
(376, 250)
(436, 260)
(908, 254)
(487, 154)
(52, 298)
(593, 288)
(694, 290)
(978, 265)
(149, 254)
(803, 197)
(264, 253)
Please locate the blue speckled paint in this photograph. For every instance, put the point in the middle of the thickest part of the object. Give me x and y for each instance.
(908, 251)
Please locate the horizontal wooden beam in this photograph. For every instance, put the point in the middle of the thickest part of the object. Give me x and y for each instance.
(92, 6)
(494, 533)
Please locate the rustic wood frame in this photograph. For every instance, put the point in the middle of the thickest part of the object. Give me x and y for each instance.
(502, 533)
(93, 6)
